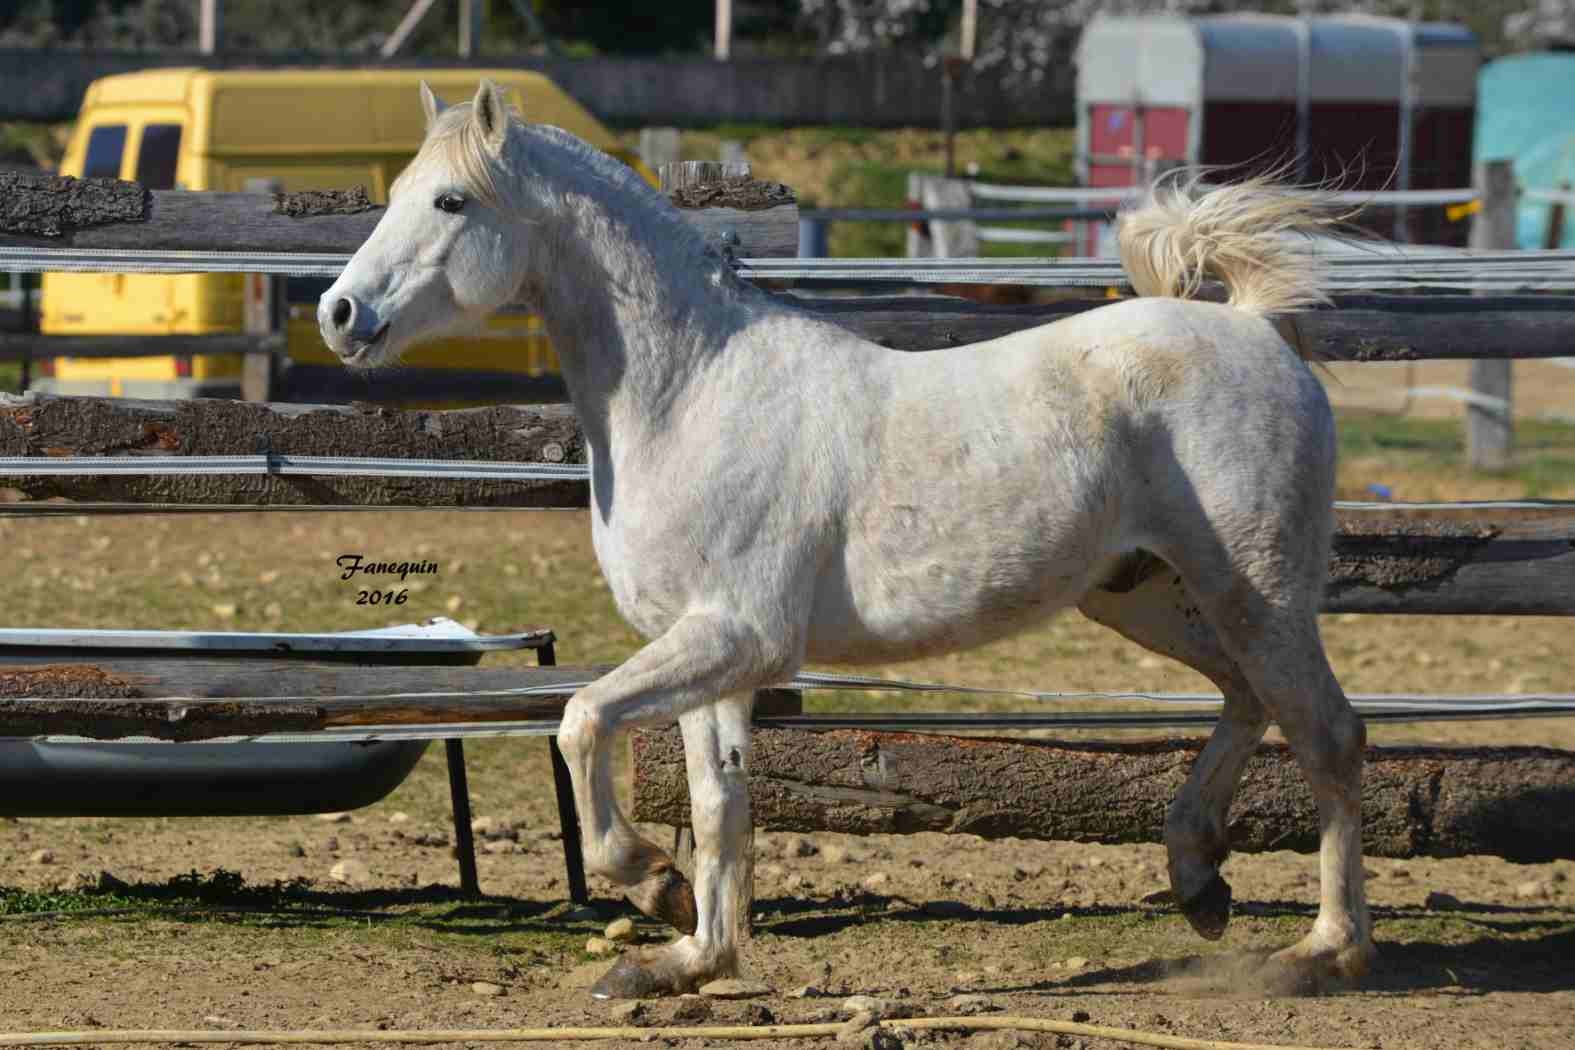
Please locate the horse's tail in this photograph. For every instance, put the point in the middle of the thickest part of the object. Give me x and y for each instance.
(1253, 237)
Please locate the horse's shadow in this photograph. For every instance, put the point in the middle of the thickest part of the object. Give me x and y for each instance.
(1521, 948)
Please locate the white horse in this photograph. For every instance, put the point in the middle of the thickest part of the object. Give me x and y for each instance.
(768, 488)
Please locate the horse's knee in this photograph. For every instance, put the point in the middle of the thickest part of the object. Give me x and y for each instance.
(579, 729)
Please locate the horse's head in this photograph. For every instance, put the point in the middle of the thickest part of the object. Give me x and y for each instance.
(446, 252)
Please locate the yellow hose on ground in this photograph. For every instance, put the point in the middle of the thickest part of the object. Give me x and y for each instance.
(538, 1035)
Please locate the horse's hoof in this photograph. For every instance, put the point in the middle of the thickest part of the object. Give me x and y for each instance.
(1208, 910)
(630, 980)
(667, 896)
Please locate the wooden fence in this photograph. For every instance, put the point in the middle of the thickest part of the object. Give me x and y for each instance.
(1463, 559)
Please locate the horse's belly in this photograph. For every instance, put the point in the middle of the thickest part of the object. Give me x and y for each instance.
(924, 606)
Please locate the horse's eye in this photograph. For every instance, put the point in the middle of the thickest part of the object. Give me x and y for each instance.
(452, 203)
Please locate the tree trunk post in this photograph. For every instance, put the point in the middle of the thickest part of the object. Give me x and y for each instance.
(261, 305)
(1490, 421)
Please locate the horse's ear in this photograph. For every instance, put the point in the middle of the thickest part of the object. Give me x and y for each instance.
(490, 114)
(431, 105)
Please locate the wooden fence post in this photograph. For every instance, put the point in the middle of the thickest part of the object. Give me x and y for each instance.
(658, 147)
(920, 245)
(1553, 233)
(953, 238)
(1490, 422)
(262, 301)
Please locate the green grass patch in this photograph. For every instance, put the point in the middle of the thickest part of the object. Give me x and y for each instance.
(1544, 449)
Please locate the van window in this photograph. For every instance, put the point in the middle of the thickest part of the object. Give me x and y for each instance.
(157, 155)
(105, 145)
(306, 289)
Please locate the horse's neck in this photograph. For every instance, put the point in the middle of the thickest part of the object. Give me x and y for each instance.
(634, 303)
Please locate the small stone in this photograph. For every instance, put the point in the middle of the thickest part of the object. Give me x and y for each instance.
(852, 1030)
(805, 991)
(42, 856)
(620, 930)
(799, 846)
(759, 1014)
(833, 853)
(350, 871)
(332, 845)
(486, 988)
(1079, 1016)
(630, 1013)
(600, 946)
(966, 977)
(295, 849)
(499, 846)
(876, 882)
(219, 1021)
(334, 818)
(1530, 890)
(1076, 962)
(226, 611)
(1399, 873)
(1437, 901)
(968, 1005)
(399, 817)
(735, 988)
(491, 828)
(692, 1008)
(854, 1005)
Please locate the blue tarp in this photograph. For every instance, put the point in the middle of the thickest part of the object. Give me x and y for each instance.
(1526, 113)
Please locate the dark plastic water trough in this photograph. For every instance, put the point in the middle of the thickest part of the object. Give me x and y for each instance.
(53, 778)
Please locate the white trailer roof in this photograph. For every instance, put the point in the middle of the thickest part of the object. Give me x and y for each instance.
(1168, 60)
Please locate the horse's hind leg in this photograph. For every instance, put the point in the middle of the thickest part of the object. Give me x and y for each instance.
(1264, 612)
(1159, 614)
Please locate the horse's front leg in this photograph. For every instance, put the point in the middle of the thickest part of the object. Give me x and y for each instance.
(716, 753)
(699, 660)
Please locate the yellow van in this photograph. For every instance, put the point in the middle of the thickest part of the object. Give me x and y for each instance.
(201, 129)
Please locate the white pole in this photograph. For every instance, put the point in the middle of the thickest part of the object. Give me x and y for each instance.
(209, 15)
(471, 14)
(724, 30)
(970, 28)
(407, 25)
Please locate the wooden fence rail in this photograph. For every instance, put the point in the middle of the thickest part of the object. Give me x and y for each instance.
(57, 211)
(1385, 560)
(1357, 328)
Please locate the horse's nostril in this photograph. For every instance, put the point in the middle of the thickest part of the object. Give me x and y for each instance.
(342, 311)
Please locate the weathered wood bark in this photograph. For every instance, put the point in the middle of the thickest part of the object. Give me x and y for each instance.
(199, 699)
(40, 425)
(59, 211)
(1517, 803)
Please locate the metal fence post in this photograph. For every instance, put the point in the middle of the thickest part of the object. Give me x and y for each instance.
(1490, 420)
